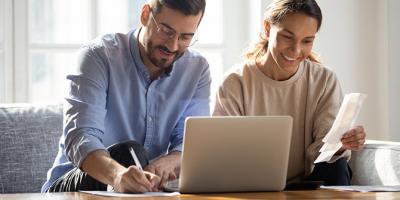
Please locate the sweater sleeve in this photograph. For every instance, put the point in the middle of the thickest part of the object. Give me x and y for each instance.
(326, 110)
(229, 98)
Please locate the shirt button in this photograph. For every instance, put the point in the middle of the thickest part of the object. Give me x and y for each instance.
(150, 119)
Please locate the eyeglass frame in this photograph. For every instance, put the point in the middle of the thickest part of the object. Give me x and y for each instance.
(168, 33)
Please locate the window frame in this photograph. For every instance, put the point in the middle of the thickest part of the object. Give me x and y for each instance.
(20, 40)
(7, 78)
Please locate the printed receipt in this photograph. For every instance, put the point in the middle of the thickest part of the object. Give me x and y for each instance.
(345, 119)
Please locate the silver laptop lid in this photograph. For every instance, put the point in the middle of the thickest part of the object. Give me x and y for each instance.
(233, 154)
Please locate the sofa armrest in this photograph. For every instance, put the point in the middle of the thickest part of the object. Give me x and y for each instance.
(377, 164)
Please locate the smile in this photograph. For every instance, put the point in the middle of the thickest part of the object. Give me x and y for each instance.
(289, 58)
(166, 54)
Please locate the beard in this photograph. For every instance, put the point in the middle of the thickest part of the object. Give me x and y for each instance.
(162, 63)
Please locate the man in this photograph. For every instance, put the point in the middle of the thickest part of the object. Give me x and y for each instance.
(133, 91)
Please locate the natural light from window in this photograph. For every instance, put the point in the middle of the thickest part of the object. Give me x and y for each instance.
(58, 28)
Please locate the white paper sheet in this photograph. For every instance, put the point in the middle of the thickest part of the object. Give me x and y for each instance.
(147, 194)
(345, 120)
(365, 188)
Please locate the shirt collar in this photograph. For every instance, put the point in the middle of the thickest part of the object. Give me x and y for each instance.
(135, 53)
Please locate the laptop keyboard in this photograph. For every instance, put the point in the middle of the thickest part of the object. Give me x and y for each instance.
(172, 185)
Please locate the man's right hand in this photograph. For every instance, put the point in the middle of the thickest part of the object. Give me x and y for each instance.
(103, 168)
(132, 179)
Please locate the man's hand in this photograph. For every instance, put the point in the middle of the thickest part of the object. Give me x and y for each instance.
(132, 179)
(166, 167)
(102, 167)
(354, 139)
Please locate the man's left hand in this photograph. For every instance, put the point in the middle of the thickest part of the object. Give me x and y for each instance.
(354, 139)
(166, 167)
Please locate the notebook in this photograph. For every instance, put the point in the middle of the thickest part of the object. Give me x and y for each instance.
(234, 154)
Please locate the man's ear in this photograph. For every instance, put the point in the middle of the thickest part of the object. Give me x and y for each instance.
(267, 28)
(145, 14)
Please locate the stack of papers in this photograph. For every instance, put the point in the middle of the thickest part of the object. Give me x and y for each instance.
(345, 120)
(365, 188)
(146, 194)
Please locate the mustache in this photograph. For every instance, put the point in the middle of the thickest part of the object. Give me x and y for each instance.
(164, 48)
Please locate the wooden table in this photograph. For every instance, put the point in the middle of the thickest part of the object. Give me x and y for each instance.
(316, 194)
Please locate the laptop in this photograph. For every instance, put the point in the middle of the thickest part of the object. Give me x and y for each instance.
(234, 154)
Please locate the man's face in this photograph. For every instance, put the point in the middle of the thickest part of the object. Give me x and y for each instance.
(167, 35)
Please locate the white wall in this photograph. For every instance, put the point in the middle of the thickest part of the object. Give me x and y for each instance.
(236, 37)
(354, 42)
(394, 69)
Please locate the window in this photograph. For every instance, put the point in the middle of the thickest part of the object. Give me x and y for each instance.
(56, 31)
(45, 35)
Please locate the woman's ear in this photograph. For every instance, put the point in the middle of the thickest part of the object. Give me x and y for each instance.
(145, 14)
(267, 28)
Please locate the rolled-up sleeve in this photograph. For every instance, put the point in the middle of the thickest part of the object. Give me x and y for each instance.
(85, 107)
(81, 142)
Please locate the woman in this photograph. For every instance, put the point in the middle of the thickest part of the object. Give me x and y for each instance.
(281, 76)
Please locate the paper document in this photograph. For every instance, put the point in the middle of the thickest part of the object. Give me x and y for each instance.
(364, 188)
(345, 120)
(147, 194)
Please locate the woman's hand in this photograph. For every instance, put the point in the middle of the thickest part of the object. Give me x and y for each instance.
(354, 138)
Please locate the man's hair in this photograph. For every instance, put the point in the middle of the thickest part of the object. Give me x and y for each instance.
(187, 7)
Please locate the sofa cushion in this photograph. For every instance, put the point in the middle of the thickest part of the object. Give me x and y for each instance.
(377, 164)
(28, 145)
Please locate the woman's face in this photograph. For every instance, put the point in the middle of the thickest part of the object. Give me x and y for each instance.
(290, 41)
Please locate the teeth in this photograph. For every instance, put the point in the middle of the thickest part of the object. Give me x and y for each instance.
(289, 58)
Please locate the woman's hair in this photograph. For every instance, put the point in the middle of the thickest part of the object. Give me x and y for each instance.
(276, 12)
(187, 7)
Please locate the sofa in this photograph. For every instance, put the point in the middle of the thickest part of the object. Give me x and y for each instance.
(29, 136)
(377, 164)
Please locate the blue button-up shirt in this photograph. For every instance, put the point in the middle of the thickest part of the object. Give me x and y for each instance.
(111, 99)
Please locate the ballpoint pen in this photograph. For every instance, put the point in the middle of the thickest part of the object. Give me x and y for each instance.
(135, 159)
(137, 163)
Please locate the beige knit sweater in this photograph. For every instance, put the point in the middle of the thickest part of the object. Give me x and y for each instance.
(312, 97)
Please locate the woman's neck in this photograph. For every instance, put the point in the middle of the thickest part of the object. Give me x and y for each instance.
(270, 68)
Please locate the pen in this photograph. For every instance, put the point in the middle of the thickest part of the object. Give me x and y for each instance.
(135, 158)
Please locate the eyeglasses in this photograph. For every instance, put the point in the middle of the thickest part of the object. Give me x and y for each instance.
(166, 33)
